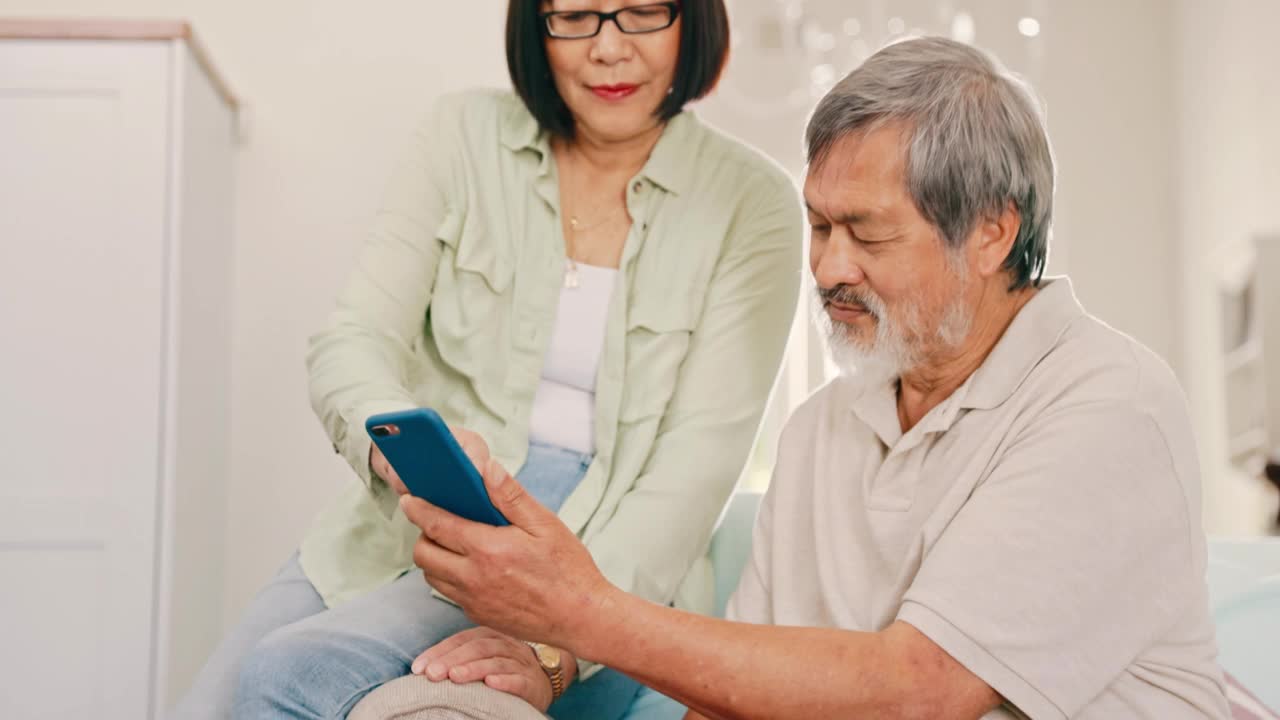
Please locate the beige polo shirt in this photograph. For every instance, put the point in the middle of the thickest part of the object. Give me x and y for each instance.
(1041, 525)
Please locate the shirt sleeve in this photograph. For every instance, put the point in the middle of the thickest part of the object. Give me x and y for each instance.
(358, 362)
(1070, 559)
(706, 433)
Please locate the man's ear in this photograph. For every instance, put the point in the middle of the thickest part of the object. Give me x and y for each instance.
(992, 239)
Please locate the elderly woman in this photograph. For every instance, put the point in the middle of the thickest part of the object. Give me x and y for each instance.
(589, 285)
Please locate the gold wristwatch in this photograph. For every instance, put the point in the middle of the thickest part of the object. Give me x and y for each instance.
(552, 662)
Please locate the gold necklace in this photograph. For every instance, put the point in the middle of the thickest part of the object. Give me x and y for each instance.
(576, 224)
(575, 227)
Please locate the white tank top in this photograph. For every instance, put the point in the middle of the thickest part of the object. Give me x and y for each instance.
(564, 405)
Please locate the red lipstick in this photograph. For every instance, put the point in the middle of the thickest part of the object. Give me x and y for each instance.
(614, 92)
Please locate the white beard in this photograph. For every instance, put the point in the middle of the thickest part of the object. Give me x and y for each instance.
(898, 345)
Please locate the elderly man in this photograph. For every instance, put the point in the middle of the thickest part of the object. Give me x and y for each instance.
(992, 513)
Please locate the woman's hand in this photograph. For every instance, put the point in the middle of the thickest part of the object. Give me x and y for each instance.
(378, 463)
(500, 661)
(472, 444)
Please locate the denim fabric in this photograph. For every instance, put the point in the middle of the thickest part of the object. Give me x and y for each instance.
(550, 473)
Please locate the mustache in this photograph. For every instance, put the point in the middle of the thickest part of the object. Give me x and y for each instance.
(849, 295)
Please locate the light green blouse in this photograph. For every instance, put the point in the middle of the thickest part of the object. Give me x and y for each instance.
(452, 303)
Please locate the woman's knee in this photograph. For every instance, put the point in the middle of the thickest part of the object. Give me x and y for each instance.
(311, 673)
(275, 672)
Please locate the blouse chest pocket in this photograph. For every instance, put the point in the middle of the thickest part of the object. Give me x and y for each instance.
(659, 330)
(470, 301)
(472, 255)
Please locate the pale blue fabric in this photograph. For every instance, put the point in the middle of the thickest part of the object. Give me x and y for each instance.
(653, 705)
(1244, 587)
(550, 473)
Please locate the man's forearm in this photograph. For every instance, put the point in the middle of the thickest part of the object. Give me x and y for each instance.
(735, 670)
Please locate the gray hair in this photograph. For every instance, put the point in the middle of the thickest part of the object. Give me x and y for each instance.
(975, 140)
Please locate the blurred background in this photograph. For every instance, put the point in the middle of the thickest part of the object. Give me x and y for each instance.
(1162, 114)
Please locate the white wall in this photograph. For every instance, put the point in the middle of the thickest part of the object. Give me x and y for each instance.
(1109, 89)
(1228, 107)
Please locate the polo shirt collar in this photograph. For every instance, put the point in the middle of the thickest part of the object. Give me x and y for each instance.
(1029, 338)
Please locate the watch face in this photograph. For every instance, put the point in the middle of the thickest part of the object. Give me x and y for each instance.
(548, 656)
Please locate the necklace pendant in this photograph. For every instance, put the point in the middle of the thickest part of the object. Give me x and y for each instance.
(571, 275)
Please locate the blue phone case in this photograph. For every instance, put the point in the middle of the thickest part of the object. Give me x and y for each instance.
(432, 464)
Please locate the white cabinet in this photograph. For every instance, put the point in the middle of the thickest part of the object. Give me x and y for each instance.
(116, 169)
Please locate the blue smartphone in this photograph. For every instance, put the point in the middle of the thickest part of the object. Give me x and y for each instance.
(432, 465)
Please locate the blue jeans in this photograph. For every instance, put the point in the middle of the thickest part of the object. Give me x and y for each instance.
(291, 657)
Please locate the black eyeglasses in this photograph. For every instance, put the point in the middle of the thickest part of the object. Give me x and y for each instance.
(578, 24)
